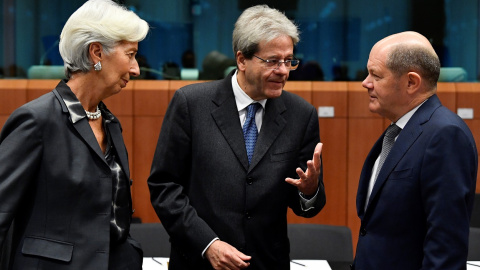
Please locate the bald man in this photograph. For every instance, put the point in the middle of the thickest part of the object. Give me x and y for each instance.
(415, 202)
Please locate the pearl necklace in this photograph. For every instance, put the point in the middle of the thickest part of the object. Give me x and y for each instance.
(95, 115)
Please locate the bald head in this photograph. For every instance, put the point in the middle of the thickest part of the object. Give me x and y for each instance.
(408, 38)
(410, 52)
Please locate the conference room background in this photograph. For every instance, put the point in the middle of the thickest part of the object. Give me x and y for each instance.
(336, 35)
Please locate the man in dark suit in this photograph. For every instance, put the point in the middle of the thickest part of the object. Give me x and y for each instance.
(224, 206)
(415, 208)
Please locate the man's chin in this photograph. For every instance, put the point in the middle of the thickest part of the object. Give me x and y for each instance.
(274, 93)
(373, 107)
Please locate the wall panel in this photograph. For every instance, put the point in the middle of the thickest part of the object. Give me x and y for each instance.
(13, 94)
(121, 104)
(447, 95)
(3, 119)
(301, 88)
(333, 134)
(37, 88)
(150, 101)
(145, 133)
(468, 97)
(150, 98)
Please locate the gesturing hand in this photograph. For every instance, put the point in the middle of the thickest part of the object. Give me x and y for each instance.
(308, 181)
(221, 255)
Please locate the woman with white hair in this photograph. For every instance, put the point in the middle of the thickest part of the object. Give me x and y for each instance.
(64, 178)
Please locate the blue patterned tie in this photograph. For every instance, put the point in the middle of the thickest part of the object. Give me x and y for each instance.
(250, 131)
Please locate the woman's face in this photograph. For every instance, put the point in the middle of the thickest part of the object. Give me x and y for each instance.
(119, 66)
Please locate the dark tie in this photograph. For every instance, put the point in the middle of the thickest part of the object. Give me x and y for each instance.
(388, 141)
(250, 131)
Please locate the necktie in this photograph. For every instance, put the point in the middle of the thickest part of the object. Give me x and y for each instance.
(388, 141)
(250, 131)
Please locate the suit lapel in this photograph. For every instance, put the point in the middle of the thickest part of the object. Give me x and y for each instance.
(405, 140)
(225, 115)
(366, 175)
(71, 106)
(117, 140)
(85, 131)
(273, 123)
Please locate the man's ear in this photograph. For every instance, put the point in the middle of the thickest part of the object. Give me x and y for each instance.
(240, 61)
(95, 51)
(414, 82)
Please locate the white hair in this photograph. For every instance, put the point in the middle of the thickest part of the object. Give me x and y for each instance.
(102, 21)
(261, 23)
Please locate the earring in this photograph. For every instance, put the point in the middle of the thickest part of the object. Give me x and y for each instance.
(98, 66)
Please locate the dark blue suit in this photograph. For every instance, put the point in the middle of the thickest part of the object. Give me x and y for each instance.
(419, 210)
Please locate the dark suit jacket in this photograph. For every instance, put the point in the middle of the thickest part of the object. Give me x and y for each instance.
(56, 184)
(419, 210)
(202, 186)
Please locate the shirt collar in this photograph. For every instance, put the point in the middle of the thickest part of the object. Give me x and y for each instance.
(75, 108)
(402, 122)
(241, 98)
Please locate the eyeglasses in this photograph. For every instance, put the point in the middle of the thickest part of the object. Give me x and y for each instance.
(274, 64)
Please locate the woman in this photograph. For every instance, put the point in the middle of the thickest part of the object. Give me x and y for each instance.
(64, 176)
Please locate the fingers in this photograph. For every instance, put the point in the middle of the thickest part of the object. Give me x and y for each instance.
(308, 180)
(311, 169)
(297, 182)
(318, 148)
(314, 165)
(316, 155)
(224, 256)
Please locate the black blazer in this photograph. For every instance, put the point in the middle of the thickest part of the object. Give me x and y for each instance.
(56, 184)
(202, 186)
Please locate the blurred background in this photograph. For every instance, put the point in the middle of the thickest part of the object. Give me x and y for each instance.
(191, 39)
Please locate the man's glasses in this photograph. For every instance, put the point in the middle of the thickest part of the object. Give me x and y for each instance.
(274, 64)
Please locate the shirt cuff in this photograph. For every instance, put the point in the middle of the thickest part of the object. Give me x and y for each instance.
(307, 202)
(209, 244)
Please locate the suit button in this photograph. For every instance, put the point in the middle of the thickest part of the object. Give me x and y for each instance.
(247, 215)
(250, 180)
(363, 232)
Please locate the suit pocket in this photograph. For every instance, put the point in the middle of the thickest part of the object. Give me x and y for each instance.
(283, 155)
(401, 175)
(48, 248)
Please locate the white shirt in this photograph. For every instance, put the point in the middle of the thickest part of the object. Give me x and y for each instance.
(243, 100)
